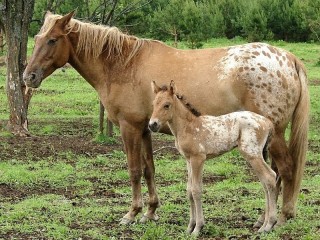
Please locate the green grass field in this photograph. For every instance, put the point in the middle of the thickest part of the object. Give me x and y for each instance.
(63, 184)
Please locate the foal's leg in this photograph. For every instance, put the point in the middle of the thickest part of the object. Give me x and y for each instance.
(192, 221)
(261, 219)
(280, 154)
(132, 137)
(196, 163)
(149, 172)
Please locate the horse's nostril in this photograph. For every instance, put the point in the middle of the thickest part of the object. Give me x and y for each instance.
(32, 76)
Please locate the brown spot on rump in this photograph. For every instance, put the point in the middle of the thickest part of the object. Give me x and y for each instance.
(280, 110)
(263, 69)
(272, 49)
(240, 69)
(284, 82)
(263, 96)
(246, 68)
(264, 84)
(275, 114)
(252, 69)
(256, 53)
(259, 78)
(280, 62)
(271, 75)
(268, 55)
(269, 89)
(288, 96)
(283, 58)
(278, 74)
(264, 53)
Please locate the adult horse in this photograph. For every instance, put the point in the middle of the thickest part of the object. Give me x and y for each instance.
(255, 77)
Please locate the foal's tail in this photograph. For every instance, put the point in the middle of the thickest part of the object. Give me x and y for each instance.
(298, 141)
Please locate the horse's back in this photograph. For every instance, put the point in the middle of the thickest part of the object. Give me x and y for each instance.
(255, 77)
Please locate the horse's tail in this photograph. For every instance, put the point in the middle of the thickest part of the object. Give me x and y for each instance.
(298, 141)
(265, 151)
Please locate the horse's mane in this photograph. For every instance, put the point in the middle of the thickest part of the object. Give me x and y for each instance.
(183, 100)
(93, 38)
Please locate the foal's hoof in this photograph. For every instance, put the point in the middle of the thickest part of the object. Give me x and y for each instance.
(126, 221)
(145, 218)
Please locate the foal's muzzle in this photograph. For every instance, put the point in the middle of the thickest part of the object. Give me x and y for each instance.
(154, 126)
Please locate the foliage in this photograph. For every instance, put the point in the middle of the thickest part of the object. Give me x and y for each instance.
(196, 21)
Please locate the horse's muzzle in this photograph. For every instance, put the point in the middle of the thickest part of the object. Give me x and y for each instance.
(32, 79)
(154, 126)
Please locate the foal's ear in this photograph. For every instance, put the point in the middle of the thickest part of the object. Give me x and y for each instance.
(172, 87)
(155, 87)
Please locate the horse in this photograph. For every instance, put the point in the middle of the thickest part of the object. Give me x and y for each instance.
(198, 137)
(255, 77)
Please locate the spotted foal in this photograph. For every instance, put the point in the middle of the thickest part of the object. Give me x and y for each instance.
(198, 137)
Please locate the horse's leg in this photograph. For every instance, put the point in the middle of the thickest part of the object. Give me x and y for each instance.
(197, 163)
(132, 137)
(281, 156)
(192, 221)
(267, 178)
(149, 172)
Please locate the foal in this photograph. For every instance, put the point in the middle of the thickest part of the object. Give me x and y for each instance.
(198, 137)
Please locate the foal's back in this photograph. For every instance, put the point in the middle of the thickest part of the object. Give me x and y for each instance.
(245, 129)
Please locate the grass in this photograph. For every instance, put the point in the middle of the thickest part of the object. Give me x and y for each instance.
(69, 195)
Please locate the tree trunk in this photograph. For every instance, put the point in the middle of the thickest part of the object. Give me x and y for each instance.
(16, 16)
(1, 38)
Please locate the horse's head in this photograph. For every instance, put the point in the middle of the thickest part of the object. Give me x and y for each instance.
(162, 106)
(51, 50)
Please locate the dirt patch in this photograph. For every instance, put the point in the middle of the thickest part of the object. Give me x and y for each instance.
(314, 82)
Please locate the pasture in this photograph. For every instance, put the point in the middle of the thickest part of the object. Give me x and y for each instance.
(69, 182)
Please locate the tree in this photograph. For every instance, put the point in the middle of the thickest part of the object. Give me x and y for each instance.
(16, 16)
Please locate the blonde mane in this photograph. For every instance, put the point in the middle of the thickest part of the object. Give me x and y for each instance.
(93, 38)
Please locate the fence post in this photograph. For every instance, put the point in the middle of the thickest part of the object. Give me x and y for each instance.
(109, 130)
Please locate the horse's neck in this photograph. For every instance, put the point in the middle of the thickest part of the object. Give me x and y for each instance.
(95, 70)
(181, 118)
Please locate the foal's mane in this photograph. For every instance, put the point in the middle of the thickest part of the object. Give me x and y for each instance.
(191, 108)
(93, 38)
(183, 100)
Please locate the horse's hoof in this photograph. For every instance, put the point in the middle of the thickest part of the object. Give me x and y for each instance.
(257, 225)
(146, 218)
(126, 221)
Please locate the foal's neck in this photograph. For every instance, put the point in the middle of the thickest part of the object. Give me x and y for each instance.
(181, 118)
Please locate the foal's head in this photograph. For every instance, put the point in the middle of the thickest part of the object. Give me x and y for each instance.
(162, 106)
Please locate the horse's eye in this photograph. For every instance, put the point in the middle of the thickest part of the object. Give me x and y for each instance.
(166, 106)
(52, 41)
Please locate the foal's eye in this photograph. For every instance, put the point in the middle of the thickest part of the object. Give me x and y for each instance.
(166, 106)
(52, 41)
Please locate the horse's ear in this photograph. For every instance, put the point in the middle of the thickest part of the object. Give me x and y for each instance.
(48, 13)
(172, 87)
(155, 87)
(66, 18)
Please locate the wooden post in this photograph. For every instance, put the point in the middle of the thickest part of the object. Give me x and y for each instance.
(109, 130)
(1, 39)
(101, 118)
